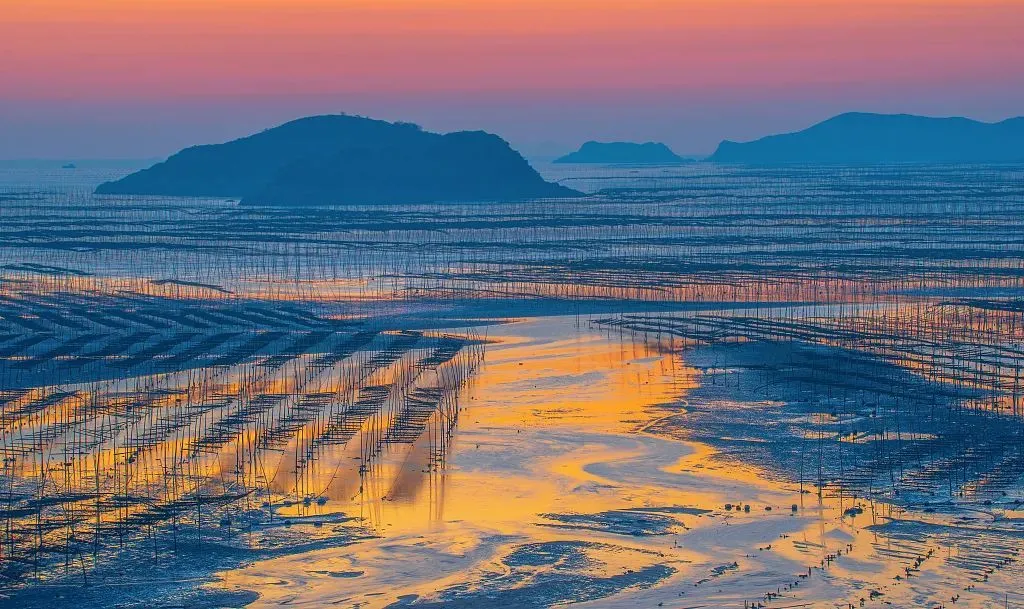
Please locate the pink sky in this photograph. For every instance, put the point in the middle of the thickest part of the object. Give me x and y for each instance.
(543, 74)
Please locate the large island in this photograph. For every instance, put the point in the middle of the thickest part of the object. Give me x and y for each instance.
(859, 138)
(341, 159)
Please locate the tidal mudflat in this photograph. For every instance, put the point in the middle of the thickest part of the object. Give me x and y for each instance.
(701, 386)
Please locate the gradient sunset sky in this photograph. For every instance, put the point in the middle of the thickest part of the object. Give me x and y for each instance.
(143, 78)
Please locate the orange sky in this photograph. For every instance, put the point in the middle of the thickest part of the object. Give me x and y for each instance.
(121, 51)
(146, 48)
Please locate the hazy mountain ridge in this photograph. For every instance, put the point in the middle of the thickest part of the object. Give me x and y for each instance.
(649, 153)
(885, 138)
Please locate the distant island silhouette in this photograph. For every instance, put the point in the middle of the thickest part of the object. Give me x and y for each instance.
(341, 159)
(650, 153)
(861, 138)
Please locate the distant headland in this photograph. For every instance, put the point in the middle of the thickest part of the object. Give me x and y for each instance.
(341, 159)
(650, 153)
(860, 138)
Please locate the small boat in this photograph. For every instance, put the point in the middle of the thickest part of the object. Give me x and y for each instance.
(69, 166)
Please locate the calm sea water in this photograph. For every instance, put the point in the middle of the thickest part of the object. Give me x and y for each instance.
(517, 403)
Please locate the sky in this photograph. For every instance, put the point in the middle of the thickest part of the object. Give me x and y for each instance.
(144, 78)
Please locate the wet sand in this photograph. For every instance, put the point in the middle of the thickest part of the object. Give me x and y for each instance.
(552, 457)
(195, 388)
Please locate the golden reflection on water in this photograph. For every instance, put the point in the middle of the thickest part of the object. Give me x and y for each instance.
(540, 413)
(549, 426)
(594, 382)
(546, 402)
(551, 422)
(579, 383)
